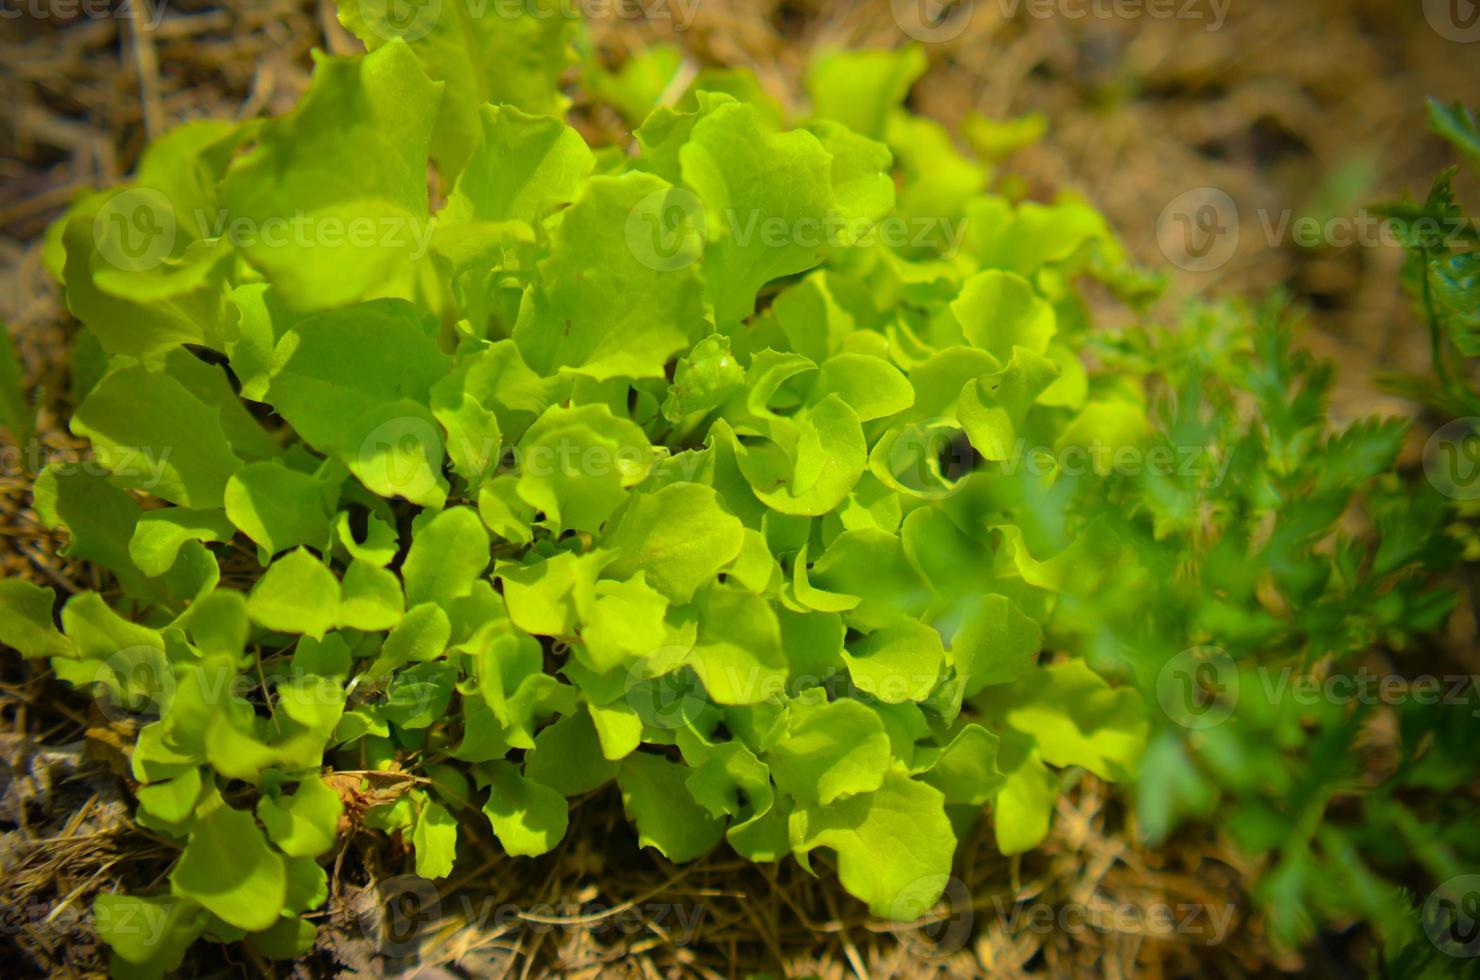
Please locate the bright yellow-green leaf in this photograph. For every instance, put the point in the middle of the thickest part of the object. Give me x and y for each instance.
(152, 434)
(332, 201)
(296, 595)
(863, 88)
(279, 508)
(26, 623)
(738, 654)
(830, 750)
(680, 537)
(575, 465)
(567, 757)
(667, 818)
(894, 845)
(448, 554)
(624, 305)
(624, 622)
(303, 823)
(434, 837)
(898, 663)
(511, 54)
(370, 598)
(228, 867)
(528, 818)
(1074, 718)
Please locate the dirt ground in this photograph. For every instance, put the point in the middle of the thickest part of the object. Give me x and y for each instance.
(1290, 107)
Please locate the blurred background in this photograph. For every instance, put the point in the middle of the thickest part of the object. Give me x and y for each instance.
(1238, 144)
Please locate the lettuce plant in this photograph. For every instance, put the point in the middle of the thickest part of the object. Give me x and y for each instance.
(448, 468)
(690, 469)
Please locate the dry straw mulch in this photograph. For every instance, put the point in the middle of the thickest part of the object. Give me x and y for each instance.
(1289, 106)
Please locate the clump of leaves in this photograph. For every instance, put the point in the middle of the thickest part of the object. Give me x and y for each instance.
(748, 470)
(678, 469)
